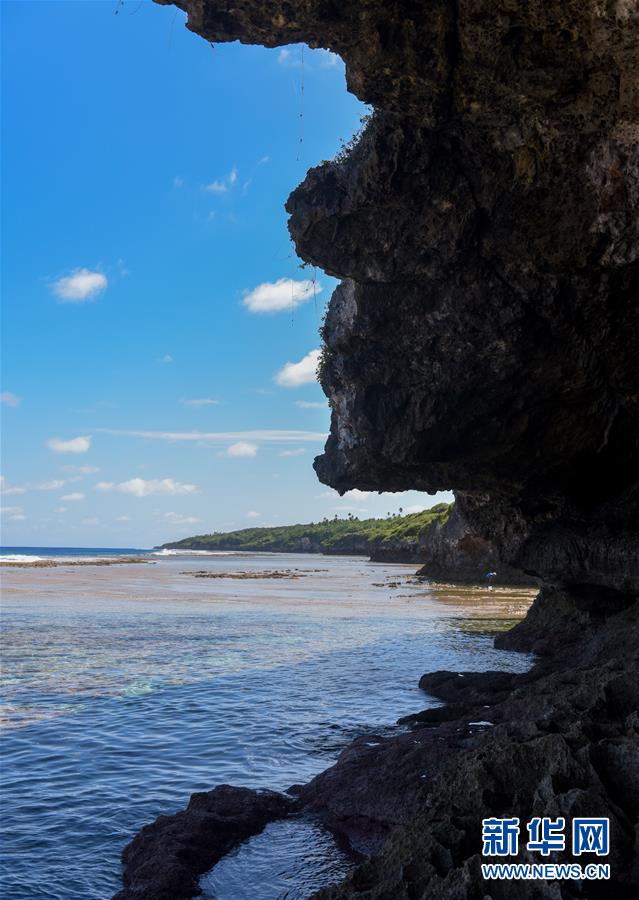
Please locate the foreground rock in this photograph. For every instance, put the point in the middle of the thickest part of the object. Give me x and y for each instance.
(164, 861)
(561, 740)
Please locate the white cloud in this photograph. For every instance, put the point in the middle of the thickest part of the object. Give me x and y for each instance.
(215, 187)
(167, 358)
(179, 519)
(80, 285)
(297, 452)
(251, 514)
(417, 508)
(123, 518)
(308, 404)
(283, 56)
(204, 401)
(12, 489)
(139, 487)
(355, 496)
(283, 294)
(72, 497)
(11, 510)
(74, 445)
(221, 185)
(10, 399)
(81, 470)
(260, 436)
(242, 449)
(303, 372)
(60, 509)
(91, 520)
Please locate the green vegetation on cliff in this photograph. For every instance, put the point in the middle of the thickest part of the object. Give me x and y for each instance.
(393, 535)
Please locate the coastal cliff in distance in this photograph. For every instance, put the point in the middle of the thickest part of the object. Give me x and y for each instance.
(484, 339)
(437, 538)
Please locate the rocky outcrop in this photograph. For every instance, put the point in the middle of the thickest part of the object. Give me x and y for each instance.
(559, 741)
(452, 552)
(164, 861)
(486, 229)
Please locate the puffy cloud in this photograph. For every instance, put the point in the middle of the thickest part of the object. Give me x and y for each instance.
(9, 399)
(242, 449)
(123, 518)
(296, 374)
(167, 358)
(251, 514)
(417, 508)
(139, 487)
(80, 470)
(74, 445)
(80, 285)
(60, 509)
(297, 452)
(308, 404)
(284, 56)
(91, 520)
(283, 294)
(72, 497)
(204, 401)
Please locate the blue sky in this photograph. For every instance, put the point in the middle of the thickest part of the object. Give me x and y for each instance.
(158, 331)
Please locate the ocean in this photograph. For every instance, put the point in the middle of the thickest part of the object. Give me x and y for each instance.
(126, 687)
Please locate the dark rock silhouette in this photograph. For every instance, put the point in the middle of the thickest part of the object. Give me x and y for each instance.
(485, 338)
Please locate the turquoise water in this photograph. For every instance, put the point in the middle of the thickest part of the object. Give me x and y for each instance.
(128, 687)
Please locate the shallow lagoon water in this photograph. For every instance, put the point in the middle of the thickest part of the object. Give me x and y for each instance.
(126, 688)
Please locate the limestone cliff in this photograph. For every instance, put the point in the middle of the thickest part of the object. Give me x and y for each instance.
(486, 229)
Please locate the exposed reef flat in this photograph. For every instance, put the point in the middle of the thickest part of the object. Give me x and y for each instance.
(56, 563)
(257, 576)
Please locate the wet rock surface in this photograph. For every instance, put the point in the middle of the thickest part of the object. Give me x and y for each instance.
(166, 858)
(560, 740)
